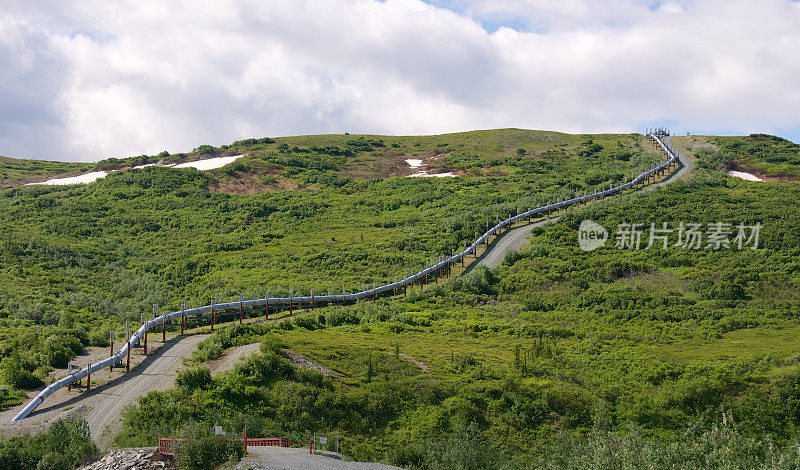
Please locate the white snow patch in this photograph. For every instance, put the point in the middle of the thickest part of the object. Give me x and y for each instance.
(744, 176)
(86, 178)
(210, 164)
(80, 179)
(417, 164)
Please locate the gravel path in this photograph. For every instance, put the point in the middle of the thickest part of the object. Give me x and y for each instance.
(686, 167)
(284, 458)
(229, 360)
(516, 239)
(102, 406)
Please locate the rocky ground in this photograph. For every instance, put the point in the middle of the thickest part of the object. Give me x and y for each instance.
(132, 459)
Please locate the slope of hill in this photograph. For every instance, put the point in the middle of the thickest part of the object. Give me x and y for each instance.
(554, 340)
(269, 164)
(767, 156)
(14, 171)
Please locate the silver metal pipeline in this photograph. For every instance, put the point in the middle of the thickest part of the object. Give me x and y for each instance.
(367, 293)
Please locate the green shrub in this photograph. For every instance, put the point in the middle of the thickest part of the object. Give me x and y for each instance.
(464, 449)
(61, 447)
(59, 349)
(203, 450)
(341, 317)
(189, 380)
(14, 374)
(207, 350)
(99, 337)
(306, 322)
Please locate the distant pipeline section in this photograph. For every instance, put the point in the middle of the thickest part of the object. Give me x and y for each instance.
(671, 158)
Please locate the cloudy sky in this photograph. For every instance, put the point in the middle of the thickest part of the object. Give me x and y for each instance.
(85, 80)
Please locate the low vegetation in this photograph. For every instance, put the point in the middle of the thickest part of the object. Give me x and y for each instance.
(16, 171)
(767, 155)
(62, 447)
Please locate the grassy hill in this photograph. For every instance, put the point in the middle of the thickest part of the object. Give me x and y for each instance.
(767, 156)
(556, 345)
(270, 164)
(557, 341)
(16, 171)
(80, 260)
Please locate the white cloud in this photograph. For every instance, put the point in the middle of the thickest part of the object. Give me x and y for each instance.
(90, 79)
(672, 7)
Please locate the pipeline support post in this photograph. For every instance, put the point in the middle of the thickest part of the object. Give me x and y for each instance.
(213, 312)
(111, 349)
(128, 335)
(241, 308)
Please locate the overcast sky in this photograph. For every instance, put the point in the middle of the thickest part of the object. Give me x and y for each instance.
(85, 80)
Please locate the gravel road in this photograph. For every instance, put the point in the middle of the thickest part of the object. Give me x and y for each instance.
(102, 406)
(284, 458)
(231, 357)
(683, 171)
(516, 239)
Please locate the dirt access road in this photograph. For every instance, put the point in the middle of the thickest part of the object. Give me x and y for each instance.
(103, 405)
(517, 238)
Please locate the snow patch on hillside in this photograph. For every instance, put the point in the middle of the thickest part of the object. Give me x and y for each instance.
(86, 178)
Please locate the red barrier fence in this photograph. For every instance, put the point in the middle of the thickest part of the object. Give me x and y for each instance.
(267, 441)
(171, 446)
(168, 446)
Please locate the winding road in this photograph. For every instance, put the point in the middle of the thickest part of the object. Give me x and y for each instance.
(517, 238)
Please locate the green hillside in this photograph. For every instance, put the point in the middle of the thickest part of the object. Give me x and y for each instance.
(768, 156)
(555, 341)
(83, 259)
(15, 171)
(619, 349)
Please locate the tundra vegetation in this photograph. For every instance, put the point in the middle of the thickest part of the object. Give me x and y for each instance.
(557, 358)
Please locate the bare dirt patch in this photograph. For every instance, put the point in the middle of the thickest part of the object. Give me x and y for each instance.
(250, 183)
(231, 357)
(423, 367)
(306, 363)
